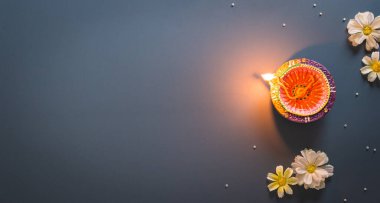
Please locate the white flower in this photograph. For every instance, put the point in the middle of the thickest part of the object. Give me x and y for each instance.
(311, 169)
(372, 66)
(364, 27)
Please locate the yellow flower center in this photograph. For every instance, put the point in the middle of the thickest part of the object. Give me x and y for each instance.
(376, 66)
(367, 30)
(282, 181)
(311, 168)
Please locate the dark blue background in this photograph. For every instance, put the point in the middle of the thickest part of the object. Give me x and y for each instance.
(157, 101)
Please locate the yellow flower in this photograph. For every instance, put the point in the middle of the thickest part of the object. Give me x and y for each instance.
(364, 27)
(372, 66)
(281, 181)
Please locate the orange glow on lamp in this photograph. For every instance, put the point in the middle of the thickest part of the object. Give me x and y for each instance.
(302, 90)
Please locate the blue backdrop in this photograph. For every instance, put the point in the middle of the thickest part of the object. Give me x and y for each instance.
(157, 101)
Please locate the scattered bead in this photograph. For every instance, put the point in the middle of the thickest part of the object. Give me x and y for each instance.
(254, 147)
(320, 14)
(345, 200)
(283, 24)
(357, 94)
(345, 125)
(314, 5)
(374, 150)
(232, 4)
(365, 189)
(367, 148)
(344, 19)
(226, 185)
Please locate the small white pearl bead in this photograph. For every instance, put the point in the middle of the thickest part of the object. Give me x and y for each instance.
(345, 200)
(283, 24)
(374, 150)
(345, 125)
(365, 189)
(314, 5)
(344, 19)
(357, 94)
(226, 185)
(254, 147)
(320, 14)
(367, 148)
(232, 4)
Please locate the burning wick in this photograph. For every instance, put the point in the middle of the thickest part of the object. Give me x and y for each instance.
(268, 76)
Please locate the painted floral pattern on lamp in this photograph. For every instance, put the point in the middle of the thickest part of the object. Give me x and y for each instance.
(302, 90)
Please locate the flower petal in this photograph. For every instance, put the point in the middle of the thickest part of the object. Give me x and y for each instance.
(372, 76)
(366, 70)
(320, 186)
(272, 177)
(280, 171)
(354, 27)
(371, 43)
(317, 185)
(296, 165)
(280, 192)
(357, 39)
(288, 189)
(316, 177)
(308, 179)
(376, 34)
(321, 172)
(329, 169)
(321, 159)
(300, 170)
(273, 186)
(311, 156)
(300, 179)
(301, 160)
(364, 18)
(303, 152)
(367, 60)
(376, 23)
(288, 173)
(375, 56)
(370, 18)
(292, 181)
(306, 186)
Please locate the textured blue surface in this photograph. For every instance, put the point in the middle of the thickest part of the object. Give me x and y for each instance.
(157, 101)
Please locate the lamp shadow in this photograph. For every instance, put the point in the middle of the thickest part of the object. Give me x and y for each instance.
(298, 136)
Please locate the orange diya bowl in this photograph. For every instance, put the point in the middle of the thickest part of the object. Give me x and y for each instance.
(303, 90)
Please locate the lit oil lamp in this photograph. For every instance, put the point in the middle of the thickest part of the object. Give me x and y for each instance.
(302, 90)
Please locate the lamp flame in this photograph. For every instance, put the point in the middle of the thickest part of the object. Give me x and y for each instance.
(268, 76)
